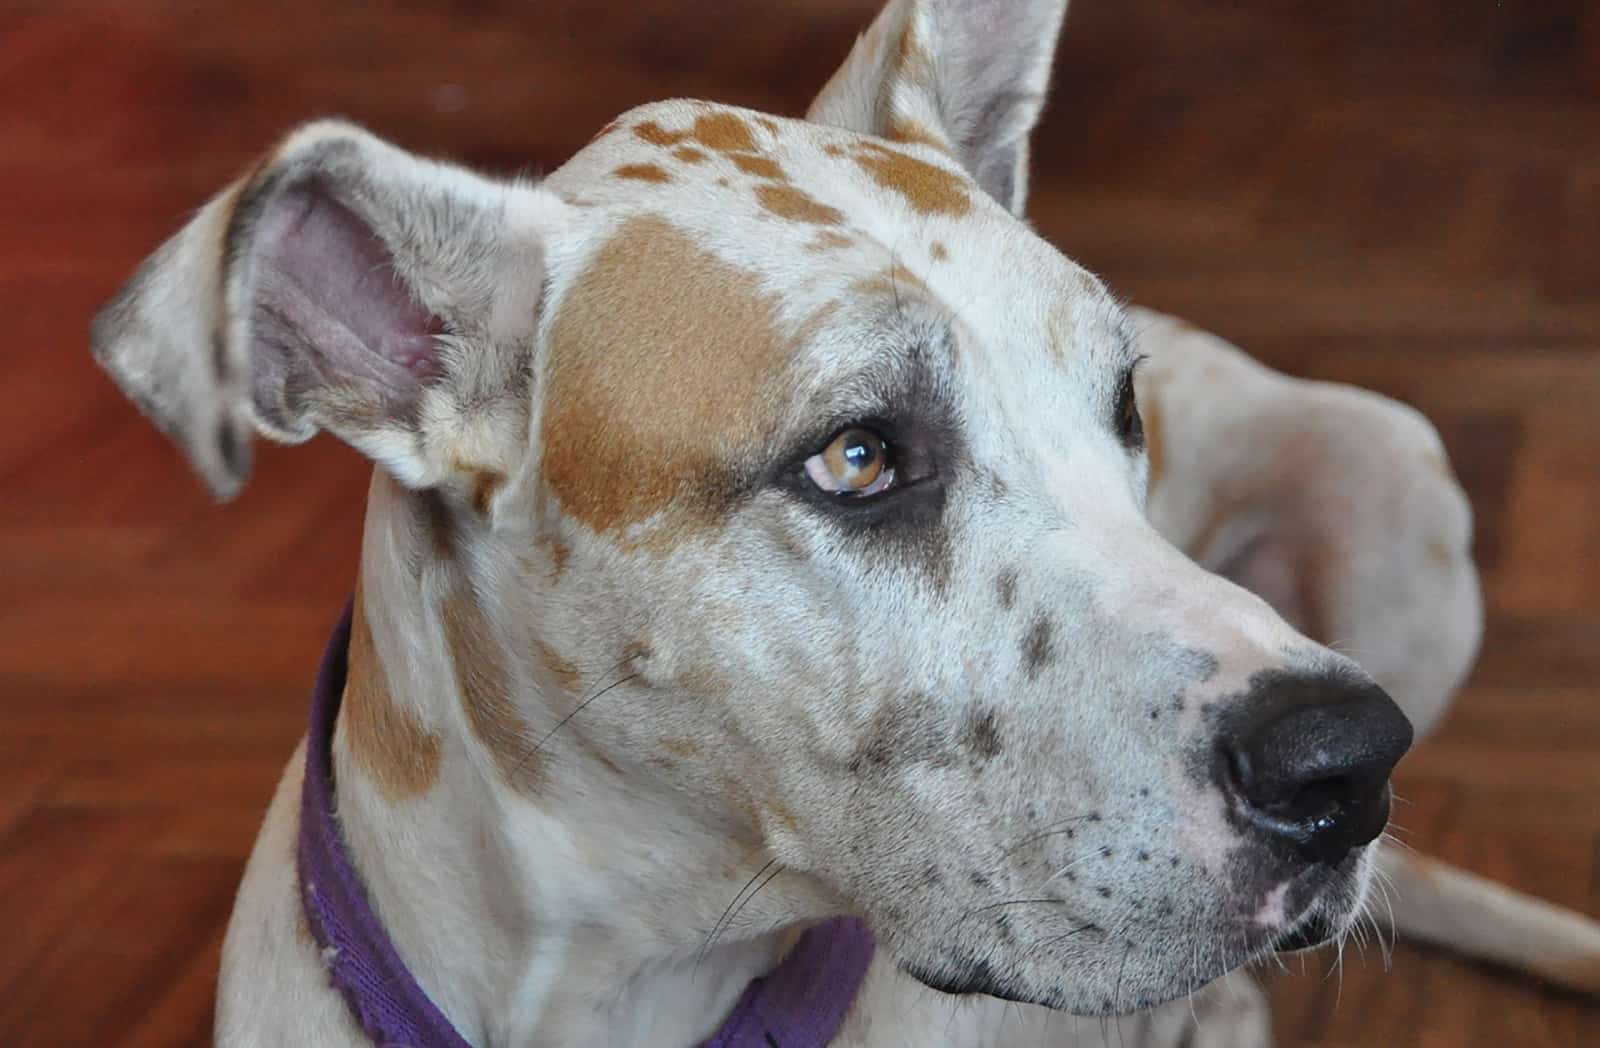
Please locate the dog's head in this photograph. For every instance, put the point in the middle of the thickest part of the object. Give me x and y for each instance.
(798, 438)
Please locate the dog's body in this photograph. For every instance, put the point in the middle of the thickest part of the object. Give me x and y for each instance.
(760, 496)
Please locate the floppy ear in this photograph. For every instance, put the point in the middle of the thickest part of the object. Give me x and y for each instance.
(344, 285)
(1335, 505)
(966, 76)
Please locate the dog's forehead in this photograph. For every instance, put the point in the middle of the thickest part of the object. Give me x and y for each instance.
(716, 251)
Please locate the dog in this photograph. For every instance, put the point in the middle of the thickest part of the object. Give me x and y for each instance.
(759, 537)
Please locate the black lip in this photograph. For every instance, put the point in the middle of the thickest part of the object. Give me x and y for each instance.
(1308, 935)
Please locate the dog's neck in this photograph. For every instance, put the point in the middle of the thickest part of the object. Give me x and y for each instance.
(574, 914)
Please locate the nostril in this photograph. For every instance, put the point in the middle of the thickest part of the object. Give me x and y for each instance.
(1309, 762)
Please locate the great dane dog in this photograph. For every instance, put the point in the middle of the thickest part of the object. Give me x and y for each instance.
(769, 527)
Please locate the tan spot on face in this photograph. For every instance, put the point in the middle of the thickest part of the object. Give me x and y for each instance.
(902, 130)
(704, 681)
(833, 150)
(784, 815)
(386, 740)
(926, 187)
(685, 748)
(797, 206)
(768, 123)
(759, 166)
(562, 671)
(625, 435)
(894, 281)
(689, 154)
(643, 173)
(826, 240)
(656, 135)
(487, 694)
(939, 251)
(724, 132)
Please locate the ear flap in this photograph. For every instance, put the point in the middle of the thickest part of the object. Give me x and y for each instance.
(1335, 505)
(966, 76)
(344, 285)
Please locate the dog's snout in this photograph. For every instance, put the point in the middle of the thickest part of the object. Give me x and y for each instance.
(1310, 764)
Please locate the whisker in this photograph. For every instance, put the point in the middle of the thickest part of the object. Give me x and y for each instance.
(728, 913)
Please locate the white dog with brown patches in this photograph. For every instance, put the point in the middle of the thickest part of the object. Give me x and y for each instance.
(760, 495)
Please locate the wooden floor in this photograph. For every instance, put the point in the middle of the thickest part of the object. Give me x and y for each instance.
(1404, 195)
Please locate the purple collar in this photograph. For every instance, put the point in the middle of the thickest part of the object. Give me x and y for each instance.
(801, 1004)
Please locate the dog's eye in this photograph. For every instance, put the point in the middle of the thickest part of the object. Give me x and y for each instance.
(1129, 423)
(855, 463)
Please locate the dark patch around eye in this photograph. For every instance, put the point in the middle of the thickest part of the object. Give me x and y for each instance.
(1126, 421)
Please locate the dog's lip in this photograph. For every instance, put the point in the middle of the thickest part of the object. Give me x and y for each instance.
(1310, 933)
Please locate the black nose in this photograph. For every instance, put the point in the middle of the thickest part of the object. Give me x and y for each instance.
(1309, 758)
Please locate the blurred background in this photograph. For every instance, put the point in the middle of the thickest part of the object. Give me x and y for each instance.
(1403, 194)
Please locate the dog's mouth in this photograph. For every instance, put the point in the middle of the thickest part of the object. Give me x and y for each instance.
(1309, 934)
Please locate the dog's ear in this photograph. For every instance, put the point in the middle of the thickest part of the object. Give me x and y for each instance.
(967, 76)
(1334, 504)
(343, 285)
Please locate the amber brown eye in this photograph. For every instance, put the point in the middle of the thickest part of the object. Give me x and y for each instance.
(855, 463)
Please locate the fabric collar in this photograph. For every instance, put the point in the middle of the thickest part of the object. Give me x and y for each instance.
(801, 1004)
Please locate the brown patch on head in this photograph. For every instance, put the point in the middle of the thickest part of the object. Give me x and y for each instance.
(797, 206)
(385, 739)
(760, 166)
(624, 435)
(656, 135)
(783, 815)
(827, 239)
(704, 681)
(724, 132)
(561, 670)
(643, 173)
(892, 281)
(928, 188)
(833, 149)
(1005, 588)
(690, 155)
(1038, 647)
(767, 122)
(939, 251)
(487, 694)
(980, 734)
(685, 748)
(911, 132)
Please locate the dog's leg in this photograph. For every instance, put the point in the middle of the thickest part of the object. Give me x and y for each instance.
(1440, 904)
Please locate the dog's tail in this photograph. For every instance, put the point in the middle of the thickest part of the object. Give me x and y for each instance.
(1440, 904)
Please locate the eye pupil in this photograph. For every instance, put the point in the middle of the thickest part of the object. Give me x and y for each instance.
(859, 455)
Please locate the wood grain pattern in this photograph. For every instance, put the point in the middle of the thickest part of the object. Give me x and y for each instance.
(1402, 195)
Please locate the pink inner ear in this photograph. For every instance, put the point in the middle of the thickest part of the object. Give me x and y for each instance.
(330, 309)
